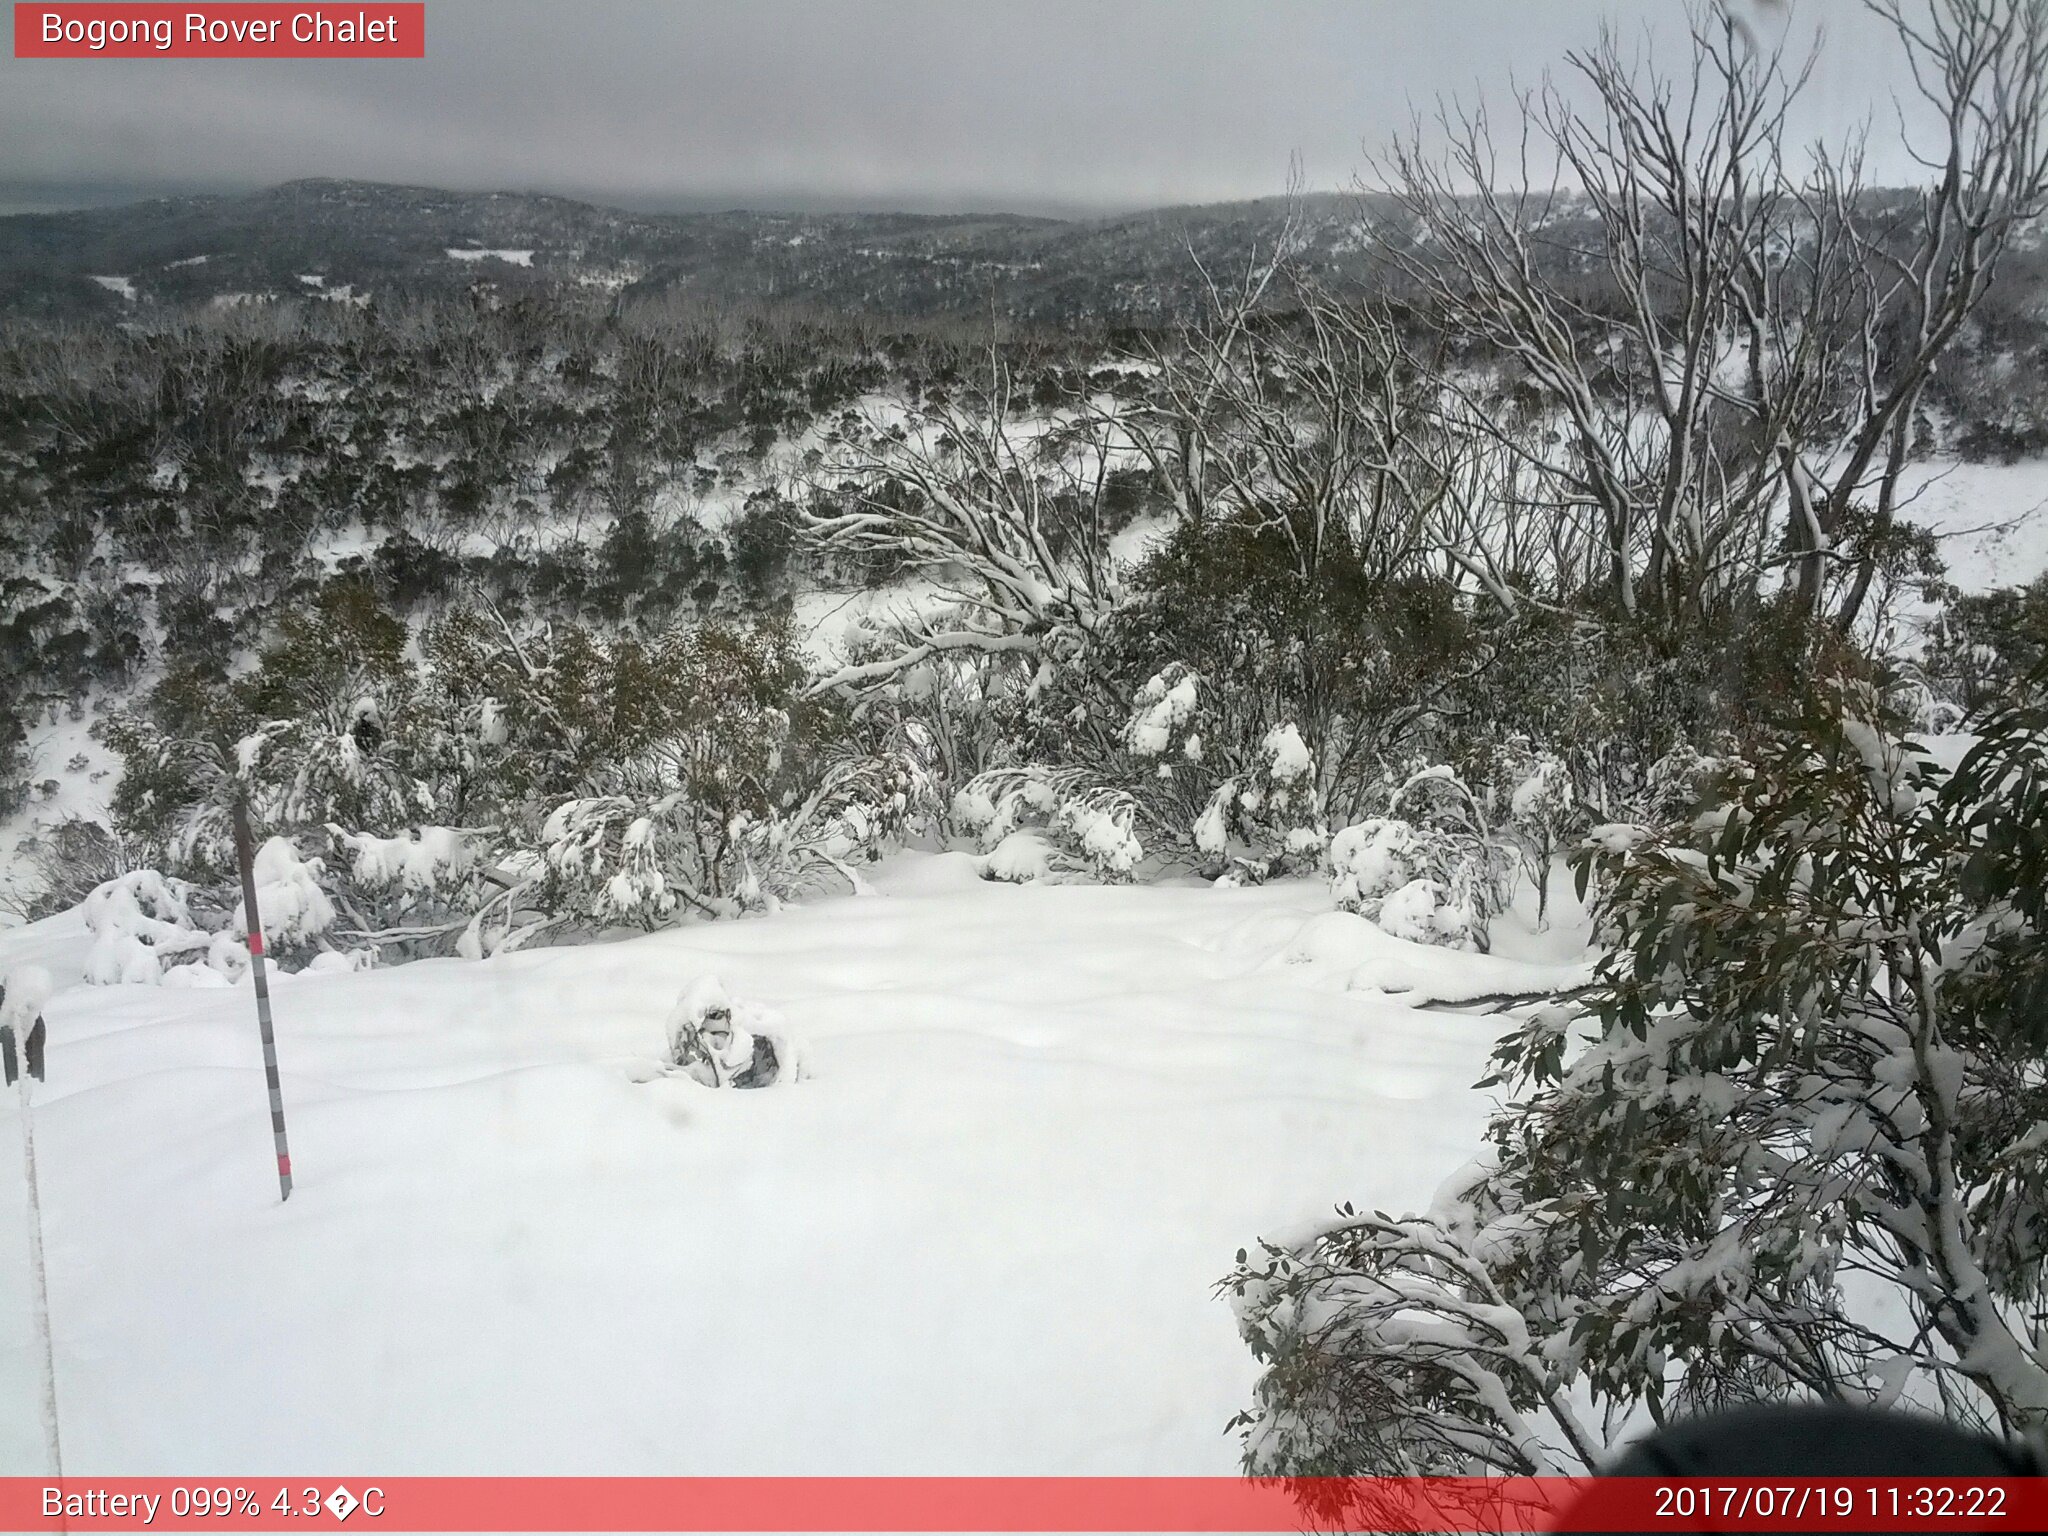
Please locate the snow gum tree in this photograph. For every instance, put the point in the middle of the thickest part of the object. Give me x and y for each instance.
(1738, 390)
(1790, 1144)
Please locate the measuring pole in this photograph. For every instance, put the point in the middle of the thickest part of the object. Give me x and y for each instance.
(245, 855)
(42, 1280)
(21, 1059)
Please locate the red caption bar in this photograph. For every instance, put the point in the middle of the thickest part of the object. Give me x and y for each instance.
(1119, 1504)
(115, 31)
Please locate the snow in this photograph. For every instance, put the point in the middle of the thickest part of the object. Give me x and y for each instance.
(1161, 706)
(1288, 754)
(522, 258)
(54, 745)
(124, 286)
(1992, 519)
(1022, 856)
(23, 992)
(289, 900)
(1133, 544)
(981, 1236)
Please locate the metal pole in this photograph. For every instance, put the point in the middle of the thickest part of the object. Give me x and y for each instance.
(42, 1284)
(246, 857)
(22, 1049)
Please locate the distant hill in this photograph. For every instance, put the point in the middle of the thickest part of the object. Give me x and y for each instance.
(365, 238)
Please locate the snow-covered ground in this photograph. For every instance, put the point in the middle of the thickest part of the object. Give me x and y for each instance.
(57, 789)
(521, 258)
(979, 1238)
(1992, 519)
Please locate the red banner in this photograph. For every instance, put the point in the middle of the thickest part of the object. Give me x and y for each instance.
(1120, 1504)
(213, 31)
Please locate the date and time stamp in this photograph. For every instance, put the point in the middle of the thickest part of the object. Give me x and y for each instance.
(1820, 1501)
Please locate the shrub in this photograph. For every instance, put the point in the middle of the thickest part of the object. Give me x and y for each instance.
(1079, 826)
(1814, 1051)
(1434, 875)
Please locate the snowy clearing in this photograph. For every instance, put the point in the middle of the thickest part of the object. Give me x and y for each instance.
(516, 258)
(980, 1238)
(1992, 518)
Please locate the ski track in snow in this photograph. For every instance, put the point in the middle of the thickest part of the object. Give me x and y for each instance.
(980, 1239)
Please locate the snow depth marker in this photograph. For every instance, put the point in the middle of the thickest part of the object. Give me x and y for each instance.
(25, 1067)
(246, 857)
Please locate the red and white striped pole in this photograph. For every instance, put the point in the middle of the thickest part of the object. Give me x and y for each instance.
(245, 855)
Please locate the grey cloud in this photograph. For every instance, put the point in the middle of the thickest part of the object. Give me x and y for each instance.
(879, 103)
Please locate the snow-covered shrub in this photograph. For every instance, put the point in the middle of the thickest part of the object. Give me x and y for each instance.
(435, 890)
(1084, 828)
(1247, 805)
(502, 779)
(726, 1043)
(1815, 1051)
(60, 865)
(334, 723)
(1342, 652)
(1163, 710)
(1675, 783)
(141, 925)
(294, 908)
(416, 863)
(1544, 812)
(225, 963)
(626, 859)
(1434, 876)
(1268, 817)
(603, 857)
(951, 706)
(1985, 649)
(144, 930)
(1021, 858)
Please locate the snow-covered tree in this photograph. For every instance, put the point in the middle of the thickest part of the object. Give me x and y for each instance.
(1749, 380)
(1006, 513)
(1790, 1144)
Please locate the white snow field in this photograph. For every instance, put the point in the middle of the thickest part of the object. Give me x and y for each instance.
(980, 1238)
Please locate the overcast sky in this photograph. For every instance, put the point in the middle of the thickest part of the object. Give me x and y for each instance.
(1037, 105)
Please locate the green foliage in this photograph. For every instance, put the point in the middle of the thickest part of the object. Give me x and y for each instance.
(1811, 1051)
(2000, 795)
(712, 709)
(1356, 664)
(1988, 648)
(686, 771)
